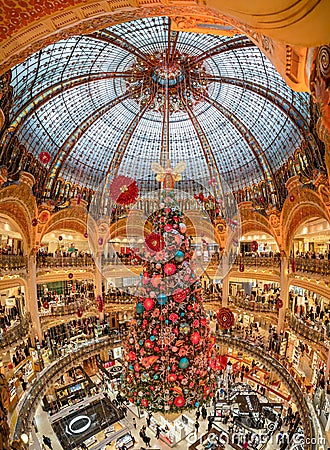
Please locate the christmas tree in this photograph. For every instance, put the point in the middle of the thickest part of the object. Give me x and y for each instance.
(169, 346)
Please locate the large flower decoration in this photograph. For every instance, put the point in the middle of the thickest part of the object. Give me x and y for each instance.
(225, 318)
(155, 242)
(123, 190)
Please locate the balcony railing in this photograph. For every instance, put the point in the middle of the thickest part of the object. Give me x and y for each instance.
(255, 306)
(258, 261)
(16, 332)
(313, 333)
(309, 265)
(12, 262)
(64, 261)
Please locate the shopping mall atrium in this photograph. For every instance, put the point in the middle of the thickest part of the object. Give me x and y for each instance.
(164, 225)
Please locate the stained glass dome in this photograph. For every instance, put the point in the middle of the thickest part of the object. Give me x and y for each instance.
(138, 92)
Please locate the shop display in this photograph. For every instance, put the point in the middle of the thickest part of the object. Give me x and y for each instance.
(126, 440)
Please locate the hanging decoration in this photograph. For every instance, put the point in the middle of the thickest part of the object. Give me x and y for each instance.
(169, 345)
(45, 305)
(86, 235)
(100, 241)
(60, 238)
(225, 318)
(78, 199)
(291, 198)
(293, 265)
(70, 275)
(124, 190)
(279, 303)
(241, 267)
(155, 242)
(254, 246)
(44, 157)
(79, 311)
(34, 222)
(100, 303)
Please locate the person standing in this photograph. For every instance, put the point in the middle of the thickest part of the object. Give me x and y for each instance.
(157, 431)
(204, 412)
(196, 426)
(134, 422)
(47, 441)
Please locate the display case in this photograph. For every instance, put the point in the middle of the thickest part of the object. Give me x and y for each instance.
(126, 440)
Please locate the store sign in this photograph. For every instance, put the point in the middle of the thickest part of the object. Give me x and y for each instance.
(85, 424)
(11, 302)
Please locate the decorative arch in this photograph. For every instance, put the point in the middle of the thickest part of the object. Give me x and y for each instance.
(306, 205)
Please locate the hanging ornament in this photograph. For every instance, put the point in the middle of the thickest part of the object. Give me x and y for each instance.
(100, 303)
(155, 242)
(44, 216)
(261, 199)
(291, 198)
(60, 238)
(78, 199)
(241, 267)
(225, 318)
(100, 241)
(124, 190)
(34, 222)
(70, 275)
(79, 311)
(279, 303)
(254, 246)
(293, 265)
(86, 235)
(44, 157)
(46, 305)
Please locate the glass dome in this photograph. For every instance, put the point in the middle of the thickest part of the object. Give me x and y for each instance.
(137, 92)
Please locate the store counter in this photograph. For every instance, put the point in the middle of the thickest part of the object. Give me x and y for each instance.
(172, 432)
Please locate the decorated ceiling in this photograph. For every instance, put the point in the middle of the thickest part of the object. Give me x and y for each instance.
(138, 92)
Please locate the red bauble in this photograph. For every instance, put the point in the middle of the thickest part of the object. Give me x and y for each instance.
(132, 356)
(155, 242)
(144, 402)
(225, 318)
(46, 305)
(100, 241)
(148, 343)
(279, 303)
(179, 401)
(123, 190)
(70, 276)
(137, 367)
(169, 269)
(195, 338)
(86, 235)
(44, 157)
(78, 199)
(241, 267)
(60, 238)
(291, 198)
(34, 222)
(172, 377)
(79, 312)
(254, 246)
(148, 304)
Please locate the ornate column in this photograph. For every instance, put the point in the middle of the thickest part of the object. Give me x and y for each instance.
(31, 297)
(225, 290)
(284, 286)
(98, 281)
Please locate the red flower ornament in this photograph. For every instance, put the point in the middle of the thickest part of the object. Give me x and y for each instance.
(123, 190)
(225, 318)
(155, 242)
